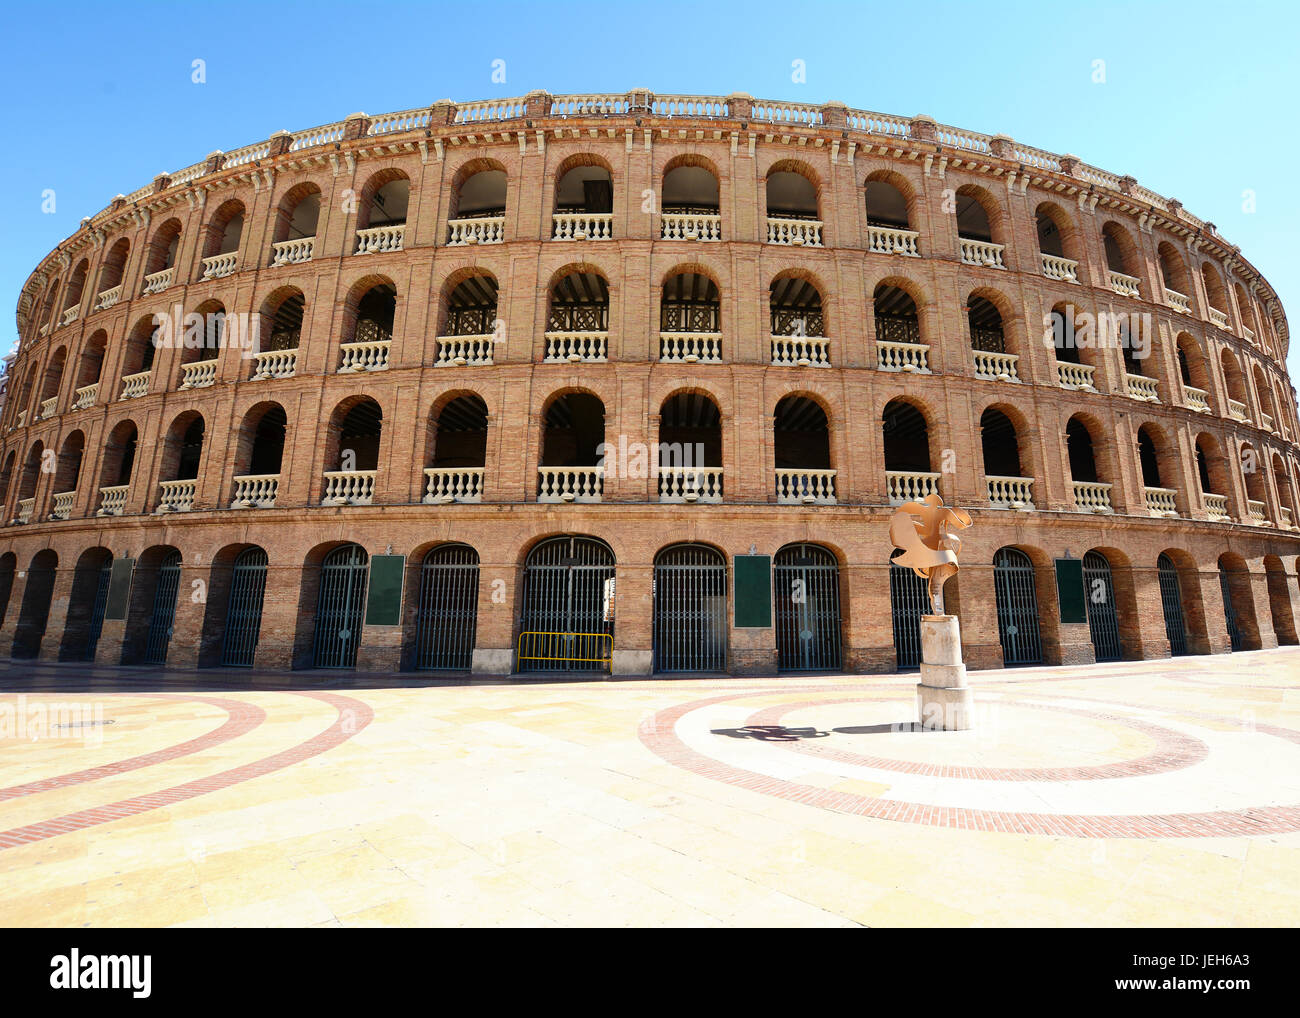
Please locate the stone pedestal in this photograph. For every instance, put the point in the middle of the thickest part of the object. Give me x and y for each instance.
(943, 699)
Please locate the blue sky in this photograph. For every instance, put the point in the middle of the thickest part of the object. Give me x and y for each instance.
(1198, 101)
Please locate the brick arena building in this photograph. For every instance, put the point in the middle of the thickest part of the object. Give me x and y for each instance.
(631, 383)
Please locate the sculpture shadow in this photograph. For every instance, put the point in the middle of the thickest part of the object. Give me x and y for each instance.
(771, 733)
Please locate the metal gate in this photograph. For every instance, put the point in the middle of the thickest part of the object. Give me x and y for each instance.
(1229, 609)
(1103, 617)
(163, 616)
(339, 606)
(444, 636)
(1171, 599)
(568, 607)
(97, 607)
(909, 599)
(1017, 603)
(690, 609)
(244, 609)
(807, 595)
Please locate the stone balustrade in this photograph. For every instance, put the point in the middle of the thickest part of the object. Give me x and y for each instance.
(358, 357)
(176, 496)
(256, 491)
(112, 500)
(61, 505)
(381, 239)
(349, 487)
(582, 226)
(981, 252)
(1143, 388)
(25, 508)
(1216, 508)
(805, 487)
(458, 351)
(217, 266)
(70, 315)
(1196, 399)
(21, 420)
(476, 230)
(910, 357)
(1266, 421)
(1237, 410)
(1178, 301)
(1287, 523)
(570, 484)
(291, 252)
(156, 282)
(910, 485)
(801, 351)
(690, 484)
(690, 347)
(1129, 286)
(85, 396)
(690, 226)
(1249, 333)
(889, 241)
(1256, 513)
(1010, 492)
(443, 485)
(275, 364)
(577, 347)
(997, 367)
(46, 409)
(1161, 501)
(1063, 269)
(1092, 497)
(1075, 376)
(198, 375)
(794, 232)
(107, 298)
(135, 385)
(1219, 318)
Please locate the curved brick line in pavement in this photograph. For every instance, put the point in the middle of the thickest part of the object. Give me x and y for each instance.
(353, 716)
(657, 733)
(241, 718)
(1173, 751)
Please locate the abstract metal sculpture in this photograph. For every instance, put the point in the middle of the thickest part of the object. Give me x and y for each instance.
(923, 530)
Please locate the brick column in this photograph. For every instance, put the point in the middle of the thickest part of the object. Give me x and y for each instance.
(56, 620)
(972, 597)
(633, 622)
(494, 636)
(868, 619)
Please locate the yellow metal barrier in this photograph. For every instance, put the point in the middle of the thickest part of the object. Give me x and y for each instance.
(566, 647)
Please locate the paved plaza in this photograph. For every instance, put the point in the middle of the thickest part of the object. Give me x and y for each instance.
(1125, 794)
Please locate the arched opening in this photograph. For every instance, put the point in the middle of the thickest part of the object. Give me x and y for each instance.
(89, 368)
(151, 618)
(1238, 603)
(572, 436)
(907, 453)
(1056, 243)
(352, 446)
(447, 616)
(898, 331)
(806, 596)
(1148, 460)
(243, 621)
(67, 474)
(801, 440)
(259, 454)
(584, 189)
(478, 205)
(115, 468)
(221, 240)
(383, 205)
(34, 614)
(178, 468)
(339, 604)
(909, 599)
(798, 322)
(577, 320)
(1103, 617)
(199, 353)
(86, 603)
(1016, 595)
(372, 313)
(690, 449)
(1121, 259)
(1091, 493)
(1279, 601)
(1264, 394)
(76, 290)
(994, 360)
(6, 480)
(1215, 293)
(889, 228)
(690, 319)
(1246, 309)
(567, 618)
(1173, 274)
(1171, 603)
(470, 322)
(1282, 482)
(1213, 477)
(977, 213)
(281, 324)
(690, 609)
(458, 439)
(8, 566)
(51, 384)
(27, 483)
(1192, 372)
(1008, 487)
(1236, 385)
(791, 195)
(111, 274)
(297, 219)
(1252, 471)
(690, 190)
(137, 362)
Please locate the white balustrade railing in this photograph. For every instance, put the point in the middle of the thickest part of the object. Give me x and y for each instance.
(1237, 410)
(156, 282)
(1249, 333)
(1216, 508)
(198, 375)
(794, 232)
(801, 351)
(1129, 286)
(998, 367)
(275, 364)
(21, 421)
(690, 226)
(805, 486)
(1265, 420)
(453, 484)
(290, 252)
(575, 347)
(690, 484)
(107, 298)
(1075, 376)
(1161, 501)
(112, 500)
(256, 491)
(1055, 267)
(61, 505)
(886, 240)
(176, 496)
(70, 315)
(216, 266)
(135, 385)
(910, 485)
(1218, 318)
(357, 357)
(1196, 399)
(1143, 388)
(46, 409)
(910, 357)
(1010, 492)
(570, 484)
(1178, 301)
(477, 230)
(26, 506)
(981, 252)
(1255, 513)
(379, 239)
(456, 351)
(349, 487)
(1287, 523)
(690, 347)
(1092, 497)
(582, 226)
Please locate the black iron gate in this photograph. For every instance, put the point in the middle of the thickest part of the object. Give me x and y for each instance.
(1103, 618)
(690, 609)
(909, 599)
(444, 637)
(1171, 600)
(1229, 609)
(806, 590)
(1017, 604)
(568, 607)
(244, 609)
(339, 606)
(97, 607)
(163, 616)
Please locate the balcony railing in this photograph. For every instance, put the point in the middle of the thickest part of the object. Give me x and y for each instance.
(1216, 508)
(1218, 318)
(1161, 501)
(801, 351)
(1237, 410)
(61, 505)
(910, 357)
(477, 230)
(997, 367)
(1287, 523)
(885, 240)
(358, 357)
(176, 496)
(1075, 376)
(70, 315)
(981, 252)
(21, 420)
(456, 351)
(910, 485)
(1178, 301)
(1249, 333)
(1129, 286)
(1010, 492)
(1092, 497)
(46, 409)
(112, 500)
(156, 282)
(275, 364)
(290, 252)
(85, 396)
(1143, 388)
(1255, 513)
(1265, 420)
(220, 265)
(690, 484)
(443, 485)
(107, 298)
(25, 508)
(582, 226)
(794, 232)
(577, 347)
(805, 487)
(1196, 399)
(256, 491)
(349, 487)
(198, 375)
(135, 385)
(380, 239)
(1065, 269)
(690, 226)
(570, 484)
(690, 347)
